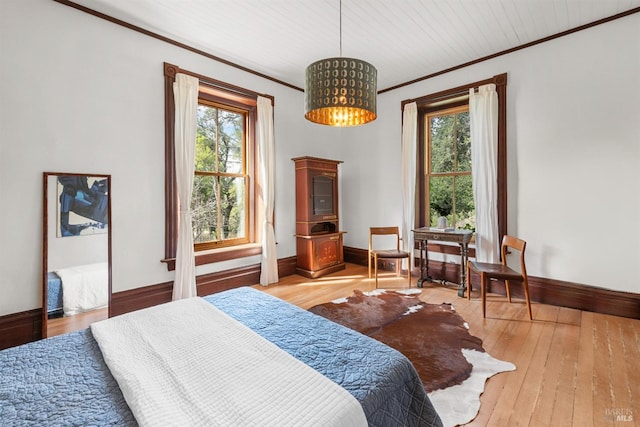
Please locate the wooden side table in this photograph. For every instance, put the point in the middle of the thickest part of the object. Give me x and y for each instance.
(462, 237)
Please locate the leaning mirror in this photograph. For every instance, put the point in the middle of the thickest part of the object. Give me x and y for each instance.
(76, 255)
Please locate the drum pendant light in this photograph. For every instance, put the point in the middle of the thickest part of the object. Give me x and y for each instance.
(340, 91)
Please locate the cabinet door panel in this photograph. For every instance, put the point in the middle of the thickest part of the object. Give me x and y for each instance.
(327, 251)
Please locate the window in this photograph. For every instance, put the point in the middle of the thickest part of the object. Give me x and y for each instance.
(448, 168)
(223, 198)
(444, 162)
(220, 202)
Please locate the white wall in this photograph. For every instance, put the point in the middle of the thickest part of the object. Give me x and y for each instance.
(80, 94)
(573, 155)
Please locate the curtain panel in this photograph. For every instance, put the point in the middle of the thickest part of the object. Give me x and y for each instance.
(185, 92)
(483, 115)
(266, 158)
(409, 155)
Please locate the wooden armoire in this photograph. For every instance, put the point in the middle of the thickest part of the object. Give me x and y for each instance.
(318, 235)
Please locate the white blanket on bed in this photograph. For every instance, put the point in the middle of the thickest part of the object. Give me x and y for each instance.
(186, 363)
(84, 287)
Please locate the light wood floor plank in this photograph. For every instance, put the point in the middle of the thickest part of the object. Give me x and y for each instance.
(630, 335)
(583, 397)
(519, 353)
(624, 381)
(603, 367)
(562, 414)
(540, 337)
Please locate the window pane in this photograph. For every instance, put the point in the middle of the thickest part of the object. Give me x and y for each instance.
(465, 212)
(442, 148)
(232, 194)
(204, 209)
(463, 142)
(206, 135)
(440, 199)
(230, 142)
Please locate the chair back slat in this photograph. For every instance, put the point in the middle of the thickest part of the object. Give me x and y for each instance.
(519, 245)
(384, 231)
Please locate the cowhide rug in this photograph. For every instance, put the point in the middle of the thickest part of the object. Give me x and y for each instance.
(451, 363)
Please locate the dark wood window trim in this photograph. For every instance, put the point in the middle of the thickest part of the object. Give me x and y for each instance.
(171, 200)
(456, 97)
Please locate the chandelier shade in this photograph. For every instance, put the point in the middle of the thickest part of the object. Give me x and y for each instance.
(340, 92)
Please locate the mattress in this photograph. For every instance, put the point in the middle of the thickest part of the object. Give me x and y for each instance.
(64, 380)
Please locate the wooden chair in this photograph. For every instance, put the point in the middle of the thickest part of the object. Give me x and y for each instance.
(501, 271)
(396, 253)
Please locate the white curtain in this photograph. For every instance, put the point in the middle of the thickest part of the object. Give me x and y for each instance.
(483, 115)
(266, 157)
(185, 93)
(409, 154)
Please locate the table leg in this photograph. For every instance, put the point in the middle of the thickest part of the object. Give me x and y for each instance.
(422, 274)
(464, 254)
(426, 260)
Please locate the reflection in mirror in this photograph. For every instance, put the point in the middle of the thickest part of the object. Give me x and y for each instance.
(76, 256)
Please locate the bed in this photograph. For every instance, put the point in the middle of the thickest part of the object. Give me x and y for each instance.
(65, 380)
(77, 289)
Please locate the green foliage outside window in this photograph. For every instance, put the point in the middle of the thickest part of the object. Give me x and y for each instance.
(449, 170)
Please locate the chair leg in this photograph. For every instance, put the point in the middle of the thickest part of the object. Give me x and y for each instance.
(483, 290)
(526, 296)
(375, 269)
(507, 288)
(369, 265)
(409, 270)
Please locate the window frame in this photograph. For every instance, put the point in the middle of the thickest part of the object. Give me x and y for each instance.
(247, 171)
(455, 97)
(224, 94)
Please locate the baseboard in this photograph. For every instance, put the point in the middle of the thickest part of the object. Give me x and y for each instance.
(20, 328)
(546, 291)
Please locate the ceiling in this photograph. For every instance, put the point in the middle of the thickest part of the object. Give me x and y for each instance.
(404, 39)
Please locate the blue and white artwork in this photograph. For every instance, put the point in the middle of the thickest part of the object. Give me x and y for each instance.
(83, 205)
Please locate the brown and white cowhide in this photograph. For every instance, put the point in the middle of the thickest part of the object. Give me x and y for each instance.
(451, 362)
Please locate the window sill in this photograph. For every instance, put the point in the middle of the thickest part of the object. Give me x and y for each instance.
(222, 254)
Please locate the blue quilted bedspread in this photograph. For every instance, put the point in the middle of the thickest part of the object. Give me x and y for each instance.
(64, 380)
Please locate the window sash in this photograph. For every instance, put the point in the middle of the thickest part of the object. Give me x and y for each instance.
(432, 176)
(218, 225)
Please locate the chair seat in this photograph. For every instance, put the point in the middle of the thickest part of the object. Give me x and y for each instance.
(391, 254)
(498, 271)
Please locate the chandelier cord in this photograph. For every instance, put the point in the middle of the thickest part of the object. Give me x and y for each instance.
(340, 28)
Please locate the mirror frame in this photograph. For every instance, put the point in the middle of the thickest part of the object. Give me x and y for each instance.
(45, 243)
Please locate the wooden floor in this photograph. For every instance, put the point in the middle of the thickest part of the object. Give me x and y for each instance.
(574, 368)
(62, 325)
